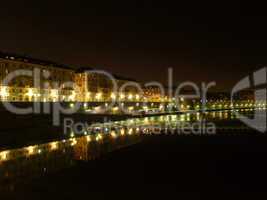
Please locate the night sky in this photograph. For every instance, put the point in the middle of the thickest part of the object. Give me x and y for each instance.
(201, 41)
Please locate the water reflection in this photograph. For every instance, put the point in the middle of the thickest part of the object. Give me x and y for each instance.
(19, 165)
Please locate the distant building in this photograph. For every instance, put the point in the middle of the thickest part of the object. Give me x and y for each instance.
(99, 87)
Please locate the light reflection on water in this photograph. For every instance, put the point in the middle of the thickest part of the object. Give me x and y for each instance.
(18, 165)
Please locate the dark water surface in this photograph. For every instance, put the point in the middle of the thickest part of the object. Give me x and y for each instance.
(230, 164)
(184, 166)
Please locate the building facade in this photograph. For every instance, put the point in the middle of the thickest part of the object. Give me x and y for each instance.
(54, 83)
(61, 83)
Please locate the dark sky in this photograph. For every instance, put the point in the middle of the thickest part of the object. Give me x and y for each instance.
(201, 41)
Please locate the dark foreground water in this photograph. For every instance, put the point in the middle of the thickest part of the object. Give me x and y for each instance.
(162, 166)
(230, 164)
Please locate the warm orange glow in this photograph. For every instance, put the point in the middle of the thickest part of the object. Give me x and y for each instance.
(3, 155)
(53, 145)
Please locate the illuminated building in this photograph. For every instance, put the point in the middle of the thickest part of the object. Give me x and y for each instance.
(92, 86)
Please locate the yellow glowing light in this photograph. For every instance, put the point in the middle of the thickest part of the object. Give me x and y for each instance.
(145, 107)
(122, 96)
(115, 108)
(99, 137)
(72, 96)
(182, 119)
(130, 132)
(54, 93)
(146, 120)
(3, 155)
(122, 131)
(72, 134)
(113, 96)
(73, 142)
(130, 108)
(4, 92)
(53, 145)
(97, 109)
(113, 134)
(88, 138)
(137, 97)
(98, 96)
(30, 149)
(30, 92)
(130, 97)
